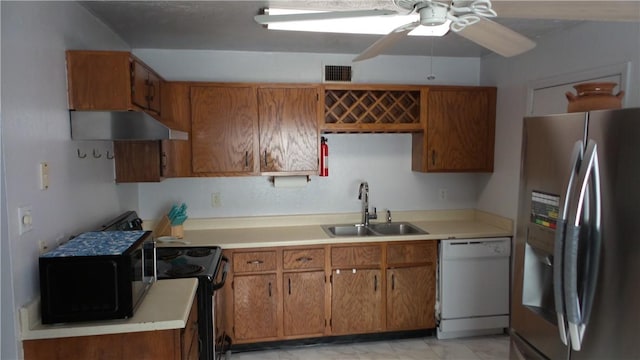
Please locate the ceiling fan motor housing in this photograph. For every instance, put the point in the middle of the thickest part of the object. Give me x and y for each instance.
(433, 15)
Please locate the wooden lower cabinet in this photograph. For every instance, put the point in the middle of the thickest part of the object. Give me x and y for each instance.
(255, 302)
(173, 344)
(285, 293)
(356, 301)
(303, 301)
(411, 298)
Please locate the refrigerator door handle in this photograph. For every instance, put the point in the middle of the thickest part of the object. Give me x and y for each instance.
(577, 315)
(561, 224)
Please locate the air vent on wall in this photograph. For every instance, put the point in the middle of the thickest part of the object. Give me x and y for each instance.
(337, 73)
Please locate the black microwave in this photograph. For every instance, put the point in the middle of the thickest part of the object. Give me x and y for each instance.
(97, 275)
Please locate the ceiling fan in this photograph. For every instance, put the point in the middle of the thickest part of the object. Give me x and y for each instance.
(471, 19)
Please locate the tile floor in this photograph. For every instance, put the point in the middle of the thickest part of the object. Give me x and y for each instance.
(476, 348)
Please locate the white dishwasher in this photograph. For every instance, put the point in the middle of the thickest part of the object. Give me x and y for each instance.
(473, 287)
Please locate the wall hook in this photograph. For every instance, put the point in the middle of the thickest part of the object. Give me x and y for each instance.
(96, 154)
(109, 156)
(81, 156)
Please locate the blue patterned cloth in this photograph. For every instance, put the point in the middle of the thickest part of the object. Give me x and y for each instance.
(95, 243)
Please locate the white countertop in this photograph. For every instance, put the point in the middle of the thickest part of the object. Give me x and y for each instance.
(166, 306)
(236, 233)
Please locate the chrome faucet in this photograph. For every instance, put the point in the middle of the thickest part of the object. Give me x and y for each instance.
(364, 196)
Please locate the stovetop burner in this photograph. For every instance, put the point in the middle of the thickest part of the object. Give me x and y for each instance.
(199, 252)
(167, 254)
(180, 270)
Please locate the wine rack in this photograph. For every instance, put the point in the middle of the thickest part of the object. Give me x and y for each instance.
(371, 110)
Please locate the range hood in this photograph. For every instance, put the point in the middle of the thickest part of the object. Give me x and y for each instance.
(120, 125)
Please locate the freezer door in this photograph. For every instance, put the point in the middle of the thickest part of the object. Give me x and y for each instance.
(613, 328)
(548, 145)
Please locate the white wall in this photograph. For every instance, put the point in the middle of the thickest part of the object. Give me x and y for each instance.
(381, 159)
(35, 128)
(579, 49)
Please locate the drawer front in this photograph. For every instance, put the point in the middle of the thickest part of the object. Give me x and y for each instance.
(254, 261)
(422, 252)
(356, 255)
(303, 259)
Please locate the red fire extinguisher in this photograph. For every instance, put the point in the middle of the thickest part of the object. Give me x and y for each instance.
(324, 157)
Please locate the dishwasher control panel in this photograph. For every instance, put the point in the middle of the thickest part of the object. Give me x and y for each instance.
(475, 248)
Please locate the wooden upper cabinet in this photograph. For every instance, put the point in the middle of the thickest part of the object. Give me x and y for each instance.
(111, 80)
(460, 131)
(288, 130)
(146, 87)
(138, 161)
(176, 113)
(224, 130)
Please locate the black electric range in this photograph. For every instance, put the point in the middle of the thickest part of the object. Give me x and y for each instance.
(203, 262)
(208, 265)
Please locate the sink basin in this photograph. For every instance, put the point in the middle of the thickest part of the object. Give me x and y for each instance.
(379, 229)
(348, 230)
(396, 228)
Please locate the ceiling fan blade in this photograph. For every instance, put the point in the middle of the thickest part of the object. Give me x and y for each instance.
(605, 10)
(384, 42)
(497, 38)
(271, 19)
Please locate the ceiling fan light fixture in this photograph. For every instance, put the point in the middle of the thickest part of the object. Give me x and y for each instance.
(376, 25)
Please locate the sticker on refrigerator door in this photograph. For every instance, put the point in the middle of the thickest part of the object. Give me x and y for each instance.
(544, 209)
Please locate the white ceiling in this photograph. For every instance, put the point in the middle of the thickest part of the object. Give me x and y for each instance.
(229, 25)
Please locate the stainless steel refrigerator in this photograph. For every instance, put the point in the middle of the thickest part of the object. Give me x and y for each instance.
(576, 275)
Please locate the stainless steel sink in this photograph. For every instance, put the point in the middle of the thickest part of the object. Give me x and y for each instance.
(348, 230)
(379, 229)
(396, 228)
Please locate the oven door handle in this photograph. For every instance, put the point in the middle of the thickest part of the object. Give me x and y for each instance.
(225, 270)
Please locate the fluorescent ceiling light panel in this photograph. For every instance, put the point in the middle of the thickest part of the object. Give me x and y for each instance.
(377, 25)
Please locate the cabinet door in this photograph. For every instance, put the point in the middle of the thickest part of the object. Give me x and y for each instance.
(99, 80)
(255, 299)
(304, 303)
(224, 130)
(176, 113)
(356, 301)
(411, 298)
(460, 129)
(137, 161)
(288, 130)
(146, 88)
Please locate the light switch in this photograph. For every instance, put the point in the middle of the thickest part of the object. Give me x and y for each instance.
(25, 219)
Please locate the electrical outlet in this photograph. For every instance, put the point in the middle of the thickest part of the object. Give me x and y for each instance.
(443, 194)
(216, 199)
(42, 246)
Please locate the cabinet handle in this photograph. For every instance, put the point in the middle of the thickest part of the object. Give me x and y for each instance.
(433, 157)
(164, 160)
(289, 286)
(375, 283)
(265, 158)
(255, 262)
(246, 159)
(269, 289)
(393, 282)
(304, 259)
